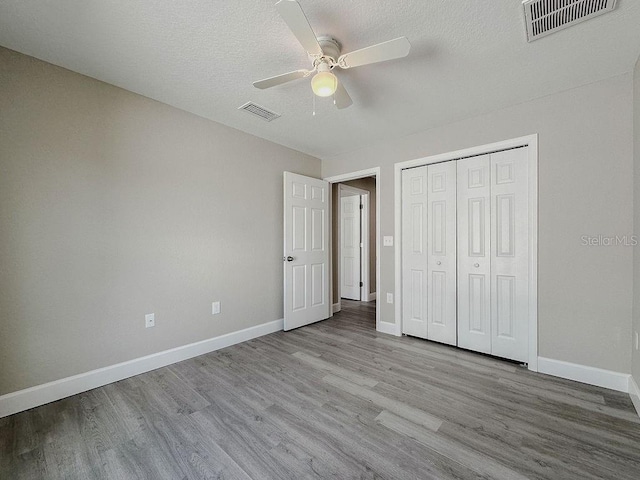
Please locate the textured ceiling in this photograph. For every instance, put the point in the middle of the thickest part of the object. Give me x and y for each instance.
(468, 57)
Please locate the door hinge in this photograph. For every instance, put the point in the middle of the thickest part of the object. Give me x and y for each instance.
(361, 284)
(361, 206)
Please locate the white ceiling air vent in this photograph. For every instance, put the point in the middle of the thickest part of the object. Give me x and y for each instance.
(548, 16)
(259, 111)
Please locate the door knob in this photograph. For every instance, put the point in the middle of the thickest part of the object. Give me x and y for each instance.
(439, 262)
(288, 259)
(476, 265)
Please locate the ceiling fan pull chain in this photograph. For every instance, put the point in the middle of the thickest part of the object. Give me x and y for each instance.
(314, 104)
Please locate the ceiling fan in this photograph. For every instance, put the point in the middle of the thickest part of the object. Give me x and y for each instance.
(324, 53)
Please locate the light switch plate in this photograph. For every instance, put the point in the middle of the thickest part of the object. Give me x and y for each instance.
(389, 297)
(387, 241)
(150, 320)
(215, 308)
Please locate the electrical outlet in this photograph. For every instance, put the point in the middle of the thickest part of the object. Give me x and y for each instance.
(387, 241)
(389, 297)
(150, 320)
(215, 308)
(636, 340)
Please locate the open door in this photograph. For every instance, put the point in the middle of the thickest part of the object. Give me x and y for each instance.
(306, 250)
(350, 247)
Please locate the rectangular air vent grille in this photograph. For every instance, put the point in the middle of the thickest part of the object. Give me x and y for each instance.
(548, 16)
(259, 111)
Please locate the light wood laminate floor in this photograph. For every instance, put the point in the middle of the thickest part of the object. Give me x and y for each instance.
(332, 400)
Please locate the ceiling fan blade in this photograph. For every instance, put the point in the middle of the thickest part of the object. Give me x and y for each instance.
(341, 98)
(280, 79)
(381, 52)
(292, 14)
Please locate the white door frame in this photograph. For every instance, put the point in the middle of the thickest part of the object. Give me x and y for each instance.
(370, 172)
(344, 191)
(530, 141)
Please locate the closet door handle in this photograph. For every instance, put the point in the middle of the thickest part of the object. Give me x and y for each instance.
(476, 265)
(439, 262)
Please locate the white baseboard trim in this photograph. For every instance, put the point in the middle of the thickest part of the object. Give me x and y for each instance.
(336, 307)
(581, 373)
(634, 393)
(372, 296)
(49, 392)
(386, 327)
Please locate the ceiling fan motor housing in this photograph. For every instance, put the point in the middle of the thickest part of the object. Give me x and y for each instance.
(330, 47)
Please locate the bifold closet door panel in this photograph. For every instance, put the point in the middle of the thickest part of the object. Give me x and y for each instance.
(510, 254)
(414, 251)
(441, 246)
(474, 253)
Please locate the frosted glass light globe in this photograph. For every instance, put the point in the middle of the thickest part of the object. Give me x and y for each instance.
(324, 84)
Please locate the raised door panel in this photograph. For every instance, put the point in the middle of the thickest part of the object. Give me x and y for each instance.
(474, 255)
(299, 287)
(318, 243)
(318, 292)
(510, 254)
(416, 298)
(299, 233)
(414, 251)
(441, 258)
(477, 301)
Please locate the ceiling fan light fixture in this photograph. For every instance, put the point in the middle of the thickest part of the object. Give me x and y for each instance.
(325, 55)
(324, 83)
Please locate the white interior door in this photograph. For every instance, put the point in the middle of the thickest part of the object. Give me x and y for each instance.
(350, 247)
(474, 259)
(510, 254)
(414, 251)
(441, 259)
(306, 250)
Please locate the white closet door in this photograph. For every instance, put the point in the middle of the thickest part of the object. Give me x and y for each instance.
(474, 254)
(414, 251)
(510, 254)
(441, 260)
(350, 252)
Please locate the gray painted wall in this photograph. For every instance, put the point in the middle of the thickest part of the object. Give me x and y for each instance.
(112, 206)
(585, 188)
(636, 204)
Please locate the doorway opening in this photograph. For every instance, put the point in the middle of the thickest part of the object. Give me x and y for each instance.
(355, 241)
(351, 241)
